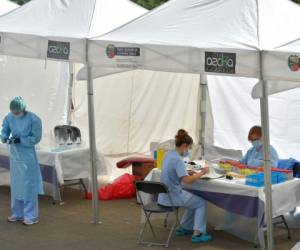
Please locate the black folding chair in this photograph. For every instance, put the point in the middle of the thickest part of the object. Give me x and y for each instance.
(279, 220)
(155, 188)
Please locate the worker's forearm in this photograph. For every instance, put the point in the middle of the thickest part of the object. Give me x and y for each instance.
(192, 178)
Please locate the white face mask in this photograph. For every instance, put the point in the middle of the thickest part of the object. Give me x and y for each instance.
(257, 143)
(187, 153)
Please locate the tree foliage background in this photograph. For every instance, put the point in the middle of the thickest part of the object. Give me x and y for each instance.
(149, 4)
(20, 2)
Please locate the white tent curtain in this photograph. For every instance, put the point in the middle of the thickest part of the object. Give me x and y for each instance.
(43, 85)
(138, 107)
(235, 112)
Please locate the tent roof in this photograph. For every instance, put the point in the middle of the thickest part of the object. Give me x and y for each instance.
(6, 6)
(69, 19)
(239, 24)
(196, 23)
(26, 31)
(177, 35)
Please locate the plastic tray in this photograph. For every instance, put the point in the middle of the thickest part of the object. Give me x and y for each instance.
(257, 180)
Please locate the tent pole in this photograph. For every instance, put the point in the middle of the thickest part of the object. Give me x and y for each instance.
(264, 105)
(92, 139)
(203, 88)
(70, 94)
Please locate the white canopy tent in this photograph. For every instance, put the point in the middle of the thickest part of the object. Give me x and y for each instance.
(45, 90)
(69, 21)
(247, 38)
(57, 30)
(179, 44)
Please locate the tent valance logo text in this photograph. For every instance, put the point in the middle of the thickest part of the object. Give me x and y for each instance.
(58, 50)
(220, 62)
(294, 62)
(112, 51)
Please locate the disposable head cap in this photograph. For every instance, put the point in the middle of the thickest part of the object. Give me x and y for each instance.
(17, 104)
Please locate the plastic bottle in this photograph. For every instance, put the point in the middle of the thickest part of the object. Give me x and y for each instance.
(153, 149)
(162, 149)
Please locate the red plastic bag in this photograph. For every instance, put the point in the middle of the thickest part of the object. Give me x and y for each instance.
(121, 188)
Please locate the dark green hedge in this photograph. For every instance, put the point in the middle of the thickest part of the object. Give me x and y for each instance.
(149, 4)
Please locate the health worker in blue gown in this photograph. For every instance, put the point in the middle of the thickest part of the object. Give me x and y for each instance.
(254, 156)
(174, 175)
(21, 131)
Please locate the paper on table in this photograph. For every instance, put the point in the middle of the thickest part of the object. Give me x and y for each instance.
(198, 165)
(212, 174)
(195, 165)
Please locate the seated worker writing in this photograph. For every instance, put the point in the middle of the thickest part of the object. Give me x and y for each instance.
(173, 174)
(254, 156)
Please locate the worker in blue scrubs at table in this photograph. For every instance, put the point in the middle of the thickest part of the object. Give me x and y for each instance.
(173, 174)
(254, 156)
(21, 131)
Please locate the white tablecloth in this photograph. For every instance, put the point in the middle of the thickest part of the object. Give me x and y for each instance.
(58, 166)
(285, 196)
(70, 164)
(242, 223)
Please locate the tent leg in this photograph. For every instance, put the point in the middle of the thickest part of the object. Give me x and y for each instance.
(267, 164)
(203, 88)
(70, 94)
(93, 148)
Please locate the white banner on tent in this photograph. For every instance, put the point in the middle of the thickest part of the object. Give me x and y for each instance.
(284, 66)
(32, 46)
(174, 59)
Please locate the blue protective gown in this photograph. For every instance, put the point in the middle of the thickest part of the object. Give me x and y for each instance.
(254, 157)
(26, 180)
(173, 171)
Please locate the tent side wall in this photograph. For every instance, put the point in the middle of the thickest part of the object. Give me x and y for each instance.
(43, 86)
(235, 112)
(138, 107)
